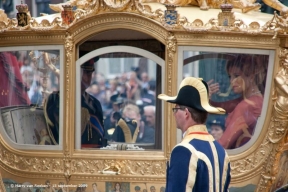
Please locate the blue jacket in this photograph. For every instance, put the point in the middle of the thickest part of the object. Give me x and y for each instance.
(198, 164)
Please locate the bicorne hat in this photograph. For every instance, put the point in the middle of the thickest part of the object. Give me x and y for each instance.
(193, 92)
(89, 65)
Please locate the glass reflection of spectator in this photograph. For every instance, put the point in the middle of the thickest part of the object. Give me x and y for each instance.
(13, 90)
(145, 81)
(94, 188)
(247, 77)
(27, 75)
(113, 84)
(123, 78)
(147, 97)
(152, 189)
(149, 114)
(94, 90)
(37, 96)
(117, 187)
(152, 87)
(217, 127)
(133, 87)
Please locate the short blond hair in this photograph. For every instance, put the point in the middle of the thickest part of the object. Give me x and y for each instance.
(131, 107)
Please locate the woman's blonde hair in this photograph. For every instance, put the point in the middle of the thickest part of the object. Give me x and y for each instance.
(251, 64)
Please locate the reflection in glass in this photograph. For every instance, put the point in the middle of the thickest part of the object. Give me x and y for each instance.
(237, 84)
(27, 78)
(124, 84)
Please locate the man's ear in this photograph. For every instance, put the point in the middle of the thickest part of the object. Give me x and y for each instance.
(187, 112)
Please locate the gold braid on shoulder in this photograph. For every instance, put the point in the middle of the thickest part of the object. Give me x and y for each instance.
(85, 120)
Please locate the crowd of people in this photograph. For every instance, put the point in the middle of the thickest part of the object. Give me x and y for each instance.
(130, 96)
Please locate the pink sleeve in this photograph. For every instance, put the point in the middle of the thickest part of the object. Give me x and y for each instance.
(234, 124)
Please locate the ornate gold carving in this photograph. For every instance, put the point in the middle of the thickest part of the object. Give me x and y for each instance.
(31, 164)
(146, 11)
(3, 16)
(278, 125)
(49, 165)
(86, 8)
(84, 5)
(276, 5)
(245, 5)
(280, 112)
(240, 168)
(45, 25)
(171, 43)
(68, 51)
(125, 167)
(279, 23)
(2, 187)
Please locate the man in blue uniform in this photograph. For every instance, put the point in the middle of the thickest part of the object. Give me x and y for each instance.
(198, 163)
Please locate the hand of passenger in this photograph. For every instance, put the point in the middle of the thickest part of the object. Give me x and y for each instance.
(213, 87)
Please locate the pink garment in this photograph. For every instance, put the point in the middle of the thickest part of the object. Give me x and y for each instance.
(241, 122)
(12, 89)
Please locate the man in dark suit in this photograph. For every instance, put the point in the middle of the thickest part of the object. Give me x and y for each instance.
(92, 131)
(92, 128)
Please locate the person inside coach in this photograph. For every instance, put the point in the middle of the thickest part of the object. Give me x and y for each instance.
(92, 128)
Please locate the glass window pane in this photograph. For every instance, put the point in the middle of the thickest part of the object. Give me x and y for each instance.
(118, 105)
(28, 78)
(237, 84)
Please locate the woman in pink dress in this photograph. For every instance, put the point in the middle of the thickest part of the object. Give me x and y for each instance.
(247, 75)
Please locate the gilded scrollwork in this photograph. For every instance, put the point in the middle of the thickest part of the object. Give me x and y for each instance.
(84, 5)
(278, 125)
(171, 43)
(31, 164)
(241, 167)
(123, 167)
(86, 8)
(68, 56)
(67, 169)
(280, 113)
(80, 166)
(279, 23)
(45, 25)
